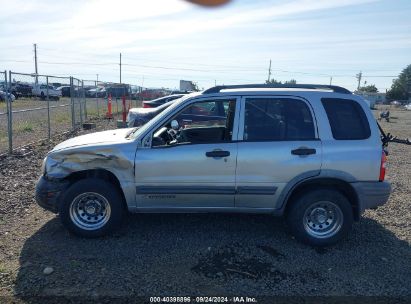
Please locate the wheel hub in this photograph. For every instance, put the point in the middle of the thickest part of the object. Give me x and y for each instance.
(323, 219)
(90, 211)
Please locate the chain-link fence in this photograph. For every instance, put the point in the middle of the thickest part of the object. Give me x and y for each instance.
(59, 104)
(37, 107)
(3, 113)
(77, 97)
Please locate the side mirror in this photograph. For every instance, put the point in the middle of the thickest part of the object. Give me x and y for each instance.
(175, 125)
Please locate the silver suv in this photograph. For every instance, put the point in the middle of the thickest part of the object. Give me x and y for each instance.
(311, 153)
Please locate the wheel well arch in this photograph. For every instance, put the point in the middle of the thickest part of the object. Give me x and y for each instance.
(329, 183)
(103, 174)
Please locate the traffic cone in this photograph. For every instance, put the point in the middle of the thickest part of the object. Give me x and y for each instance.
(109, 115)
(124, 109)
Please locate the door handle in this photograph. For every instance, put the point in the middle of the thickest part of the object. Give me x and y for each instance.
(217, 153)
(303, 151)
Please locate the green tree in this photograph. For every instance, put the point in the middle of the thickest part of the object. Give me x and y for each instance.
(369, 89)
(291, 81)
(401, 86)
(273, 81)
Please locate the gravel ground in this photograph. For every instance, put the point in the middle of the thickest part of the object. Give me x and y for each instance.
(202, 254)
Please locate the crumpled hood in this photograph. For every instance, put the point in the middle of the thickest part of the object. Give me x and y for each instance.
(110, 136)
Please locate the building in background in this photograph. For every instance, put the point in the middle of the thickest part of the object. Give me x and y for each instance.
(372, 98)
(188, 86)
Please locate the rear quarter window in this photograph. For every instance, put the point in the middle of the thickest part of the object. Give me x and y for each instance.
(347, 119)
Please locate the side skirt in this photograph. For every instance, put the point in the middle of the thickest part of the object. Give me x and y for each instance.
(271, 211)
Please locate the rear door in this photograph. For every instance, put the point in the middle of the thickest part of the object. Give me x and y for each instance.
(279, 143)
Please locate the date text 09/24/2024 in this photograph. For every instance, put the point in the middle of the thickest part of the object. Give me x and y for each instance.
(203, 300)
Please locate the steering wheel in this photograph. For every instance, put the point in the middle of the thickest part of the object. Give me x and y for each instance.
(172, 134)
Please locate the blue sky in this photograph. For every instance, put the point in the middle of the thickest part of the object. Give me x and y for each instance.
(163, 41)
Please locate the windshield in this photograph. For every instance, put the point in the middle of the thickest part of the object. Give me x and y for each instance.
(170, 106)
(167, 104)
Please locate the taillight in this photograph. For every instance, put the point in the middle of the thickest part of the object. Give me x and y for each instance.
(382, 167)
(146, 105)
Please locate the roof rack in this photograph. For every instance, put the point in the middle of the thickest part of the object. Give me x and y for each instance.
(333, 88)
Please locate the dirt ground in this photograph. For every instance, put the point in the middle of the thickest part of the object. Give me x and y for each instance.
(202, 254)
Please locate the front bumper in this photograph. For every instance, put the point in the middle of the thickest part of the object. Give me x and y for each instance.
(371, 194)
(48, 193)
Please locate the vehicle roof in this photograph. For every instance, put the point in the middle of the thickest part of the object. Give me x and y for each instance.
(303, 90)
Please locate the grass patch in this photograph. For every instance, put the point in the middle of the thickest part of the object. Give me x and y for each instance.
(3, 268)
(27, 127)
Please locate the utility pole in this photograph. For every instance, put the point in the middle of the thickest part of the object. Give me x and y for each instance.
(331, 80)
(35, 62)
(359, 76)
(215, 82)
(269, 72)
(120, 67)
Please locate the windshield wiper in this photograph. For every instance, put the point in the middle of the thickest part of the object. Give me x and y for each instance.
(132, 132)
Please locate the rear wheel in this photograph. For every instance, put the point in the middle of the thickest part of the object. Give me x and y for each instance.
(91, 208)
(320, 217)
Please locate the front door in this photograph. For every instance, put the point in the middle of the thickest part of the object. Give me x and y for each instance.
(196, 169)
(279, 143)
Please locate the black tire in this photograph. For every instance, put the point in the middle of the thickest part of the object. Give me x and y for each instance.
(42, 96)
(102, 189)
(325, 202)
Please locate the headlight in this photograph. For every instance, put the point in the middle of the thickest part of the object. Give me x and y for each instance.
(48, 164)
(43, 166)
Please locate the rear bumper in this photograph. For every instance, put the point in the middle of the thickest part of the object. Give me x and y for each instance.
(48, 193)
(371, 194)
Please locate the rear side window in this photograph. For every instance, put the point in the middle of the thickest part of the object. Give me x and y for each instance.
(347, 119)
(274, 119)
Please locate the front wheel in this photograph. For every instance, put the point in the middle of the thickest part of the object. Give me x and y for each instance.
(320, 217)
(91, 208)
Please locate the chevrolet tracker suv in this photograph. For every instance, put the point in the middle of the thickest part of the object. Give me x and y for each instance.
(310, 153)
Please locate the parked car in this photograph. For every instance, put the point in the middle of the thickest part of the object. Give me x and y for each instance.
(139, 116)
(97, 92)
(310, 153)
(21, 90)
(4, 95)
(118, 91)
(41, 90)
(408, 106)
(150, 94)
(65, 91)
(159, 101)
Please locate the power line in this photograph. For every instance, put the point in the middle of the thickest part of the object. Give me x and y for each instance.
(198, 70)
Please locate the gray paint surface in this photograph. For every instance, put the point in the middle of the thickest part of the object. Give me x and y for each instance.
(256, 176)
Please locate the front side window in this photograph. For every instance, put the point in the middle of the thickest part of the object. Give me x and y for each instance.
(208, 121)
(276, 119)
